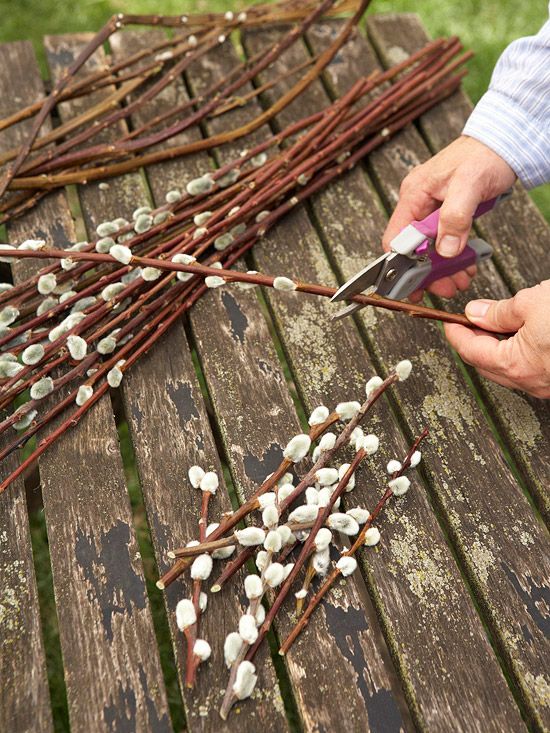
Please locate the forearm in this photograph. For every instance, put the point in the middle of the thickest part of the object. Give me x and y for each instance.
(513, 117)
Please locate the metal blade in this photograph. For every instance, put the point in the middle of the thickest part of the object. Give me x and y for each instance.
(349, 310)
(363, 280)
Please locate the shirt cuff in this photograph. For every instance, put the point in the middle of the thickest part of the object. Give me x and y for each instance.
(522, 141)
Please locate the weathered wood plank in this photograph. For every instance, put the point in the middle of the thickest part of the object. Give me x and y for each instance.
(417, 586)
(25, 698)
(488, 518)
(170, 428)
(521, 239)
(252, 402)
(112, 666)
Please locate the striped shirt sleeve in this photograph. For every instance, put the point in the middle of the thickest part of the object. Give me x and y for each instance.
(513, 116)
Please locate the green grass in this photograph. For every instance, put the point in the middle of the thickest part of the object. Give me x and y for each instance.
(486, 26)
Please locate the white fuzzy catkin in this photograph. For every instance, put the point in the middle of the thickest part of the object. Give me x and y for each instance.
(250, 536)
(203, 601)
(297, 448)
(300, 594)
(26, 420)
(8, 315)
(106, 228)
(223, 241)
(32, 354)
(267, 499)
(359, 514)
(304, 513)
(319, 415)
(202, 649)
(326, 476)
(285, 490)
(399, 485)
(149, 274)
(258, 160)
(270, 516)
(195, 474)
(201, 218)
(143, 223)
(372, 537)
(284, 283)
(262, 560)
(321, 561)
(204, 184)
(370, 444)
(111, 291)
(346, 565)
(46, 283)
(214, 281)
(107, 345)
(77, 347)
(223, 553)
(312, 495)
(403, 369)
(327, 441)
(416, 458)
(84, 393)
(324, 495)
(232, 647)
(173, 196)
(185, 614)
(323, 538)
(7, 259)
(245, 681)
(285, 533)
(343, 523)
(201, 567)
(67, 295)
(67, 264)
(42, 388)
(47, 304)
(393, 466)
(210, 482)
(260, 615)
(35, 244)
(121, 253)
(342, 470)
(372, 385)
(274, 574)
(248, 630)
(104, 245)
(184, 259)
(114, 377)
(253, 587)
(273, 541)
(347, 410)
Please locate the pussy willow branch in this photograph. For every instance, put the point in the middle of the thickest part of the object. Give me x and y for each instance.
(411, 309)
(359, 541)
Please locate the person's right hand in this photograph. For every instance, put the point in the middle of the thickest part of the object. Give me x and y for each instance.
(459, 177)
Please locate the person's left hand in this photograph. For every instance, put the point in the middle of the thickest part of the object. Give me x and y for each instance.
(521, 361)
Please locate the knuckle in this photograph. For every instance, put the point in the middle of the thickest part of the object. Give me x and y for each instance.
(455, 219)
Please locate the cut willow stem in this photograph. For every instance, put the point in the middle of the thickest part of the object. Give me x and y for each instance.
(334, 575)
(411, 309)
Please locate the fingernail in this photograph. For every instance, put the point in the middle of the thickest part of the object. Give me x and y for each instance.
(448, 245)
(477, 308)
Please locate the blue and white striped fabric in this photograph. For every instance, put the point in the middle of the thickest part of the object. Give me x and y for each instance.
(513, 117)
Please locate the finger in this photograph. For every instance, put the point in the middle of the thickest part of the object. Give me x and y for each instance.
(413, 204)
(443, 288)
(455, 218)
(477, 347)
(501, 316)
(417, 296)
(461, 280)
(472, 270)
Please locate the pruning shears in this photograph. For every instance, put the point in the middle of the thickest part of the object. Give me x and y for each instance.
(412, 262)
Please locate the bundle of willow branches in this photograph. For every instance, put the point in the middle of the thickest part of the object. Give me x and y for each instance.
(74, 328)
(290, 544)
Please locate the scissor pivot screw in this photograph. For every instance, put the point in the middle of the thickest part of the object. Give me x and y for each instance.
(390, 275)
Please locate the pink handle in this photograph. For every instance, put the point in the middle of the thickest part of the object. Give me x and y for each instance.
(445, 266)
(430, 224)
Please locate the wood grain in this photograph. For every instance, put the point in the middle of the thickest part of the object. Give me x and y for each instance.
(170, 428)
(112, 667)
(252, 402)
(407, 579)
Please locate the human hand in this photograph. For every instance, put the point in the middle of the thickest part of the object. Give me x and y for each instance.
(462, 175)
(521, 361)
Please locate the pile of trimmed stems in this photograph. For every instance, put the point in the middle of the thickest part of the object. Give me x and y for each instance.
(140, 78)
(71, 331)
(287, 531)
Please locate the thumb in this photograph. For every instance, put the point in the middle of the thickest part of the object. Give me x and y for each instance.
(502, 316)
(455, 217)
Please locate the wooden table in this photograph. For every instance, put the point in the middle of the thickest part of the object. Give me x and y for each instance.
(446, 626)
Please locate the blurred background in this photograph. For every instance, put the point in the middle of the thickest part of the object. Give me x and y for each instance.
(485, 26)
